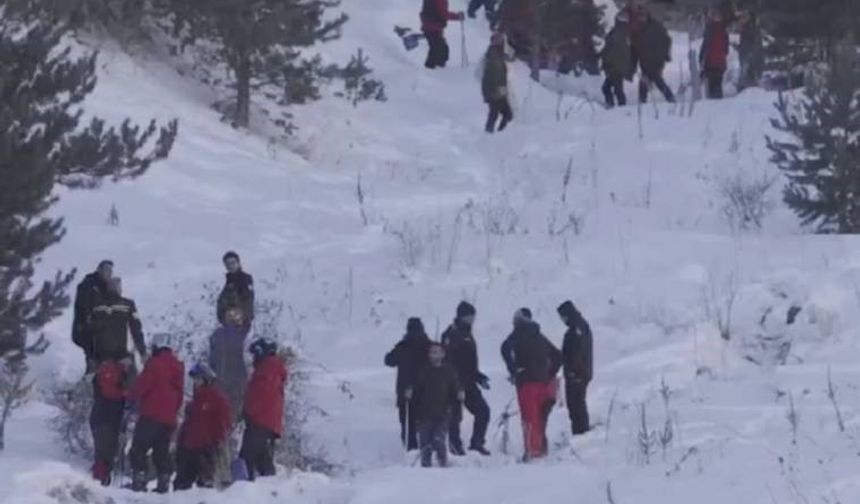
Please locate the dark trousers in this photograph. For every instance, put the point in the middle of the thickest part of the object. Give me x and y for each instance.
(433, 439)
(477, 406)
(613, 91)
(715, 83)
(659, 83)
(437, 55)
(499, 108)
(155, 437)
(575, 392)
(258, 451)
(194, 467)
(408, 432)
(105, 433)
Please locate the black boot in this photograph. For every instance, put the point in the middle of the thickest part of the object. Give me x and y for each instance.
(163, 484)
(457, 449)
(138, 481)
(479, 449)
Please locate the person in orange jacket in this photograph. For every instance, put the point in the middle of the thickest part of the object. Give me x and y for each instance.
(110, 385)
(264, 408)
(208, 422)
(158, 393)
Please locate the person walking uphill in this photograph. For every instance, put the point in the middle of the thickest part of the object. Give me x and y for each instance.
(158, 392)
(462, 354)
(264, 409)
(238, 292)
(409, 356)
(532, 362)
(435, 390)
(434, 19)
(577, 351)
(494, 84)
(654, 49)
(110, 386)
(714, 54)
(208, 422)
(226, 358)
(617, 62)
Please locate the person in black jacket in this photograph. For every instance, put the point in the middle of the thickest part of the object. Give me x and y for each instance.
(112, 319)
(238, 291)
(462, 354)
(436, 389)
(89, 293)
(577, 351)
(533, 363)
(654, 49)
(408, 356)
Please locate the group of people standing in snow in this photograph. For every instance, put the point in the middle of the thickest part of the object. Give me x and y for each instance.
(436, 381)
(637, 39)
(223, 394)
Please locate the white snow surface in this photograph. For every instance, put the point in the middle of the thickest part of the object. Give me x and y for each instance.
(652, 264)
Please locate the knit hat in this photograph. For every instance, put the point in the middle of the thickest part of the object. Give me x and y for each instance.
(230, 255)
(464, 309)
(414, 326)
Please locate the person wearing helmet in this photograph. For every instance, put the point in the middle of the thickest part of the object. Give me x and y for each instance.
(227, 360)
(263, 409)
(158, 393)
(494, 84)
(110, 386)
(208, 422)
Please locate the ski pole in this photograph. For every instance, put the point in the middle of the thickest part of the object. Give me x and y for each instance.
(464, 55)
(408, 424)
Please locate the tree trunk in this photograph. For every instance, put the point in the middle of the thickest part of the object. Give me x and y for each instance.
(242, 117)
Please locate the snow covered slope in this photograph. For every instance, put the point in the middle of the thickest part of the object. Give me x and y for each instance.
(453, 213)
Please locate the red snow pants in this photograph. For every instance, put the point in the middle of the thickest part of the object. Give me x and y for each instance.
(536, 400)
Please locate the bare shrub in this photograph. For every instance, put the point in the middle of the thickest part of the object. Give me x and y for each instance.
(745, 200)
(410, 241)
(719, 301)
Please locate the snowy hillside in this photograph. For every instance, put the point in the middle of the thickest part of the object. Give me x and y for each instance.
(637, 237)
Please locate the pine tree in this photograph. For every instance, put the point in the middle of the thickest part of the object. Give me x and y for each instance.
(43, 143)
(821, 156)
(259, 40)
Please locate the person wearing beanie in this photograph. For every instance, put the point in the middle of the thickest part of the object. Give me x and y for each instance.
(462, 354)
(158, 392)
(494, 84)
(238, 292)
(577, 353)
(409, 355)
(533, 363)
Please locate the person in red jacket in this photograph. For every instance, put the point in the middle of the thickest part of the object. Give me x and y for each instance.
(208, 422)
(158, 394)
(434, 18)
(714, 54)
(110, 385)
(264, 408)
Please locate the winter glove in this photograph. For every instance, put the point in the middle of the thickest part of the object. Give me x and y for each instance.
(460, 16)
(483, 381)
(461, 396)
(407, 394)
(502, 92)
(512, 380)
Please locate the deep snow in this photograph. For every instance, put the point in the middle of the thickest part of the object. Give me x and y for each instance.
(654, 260)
